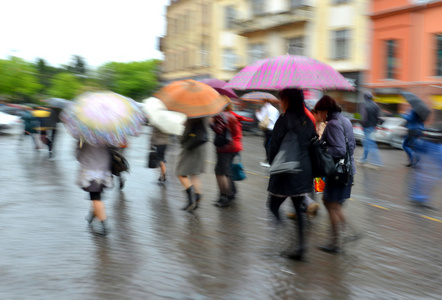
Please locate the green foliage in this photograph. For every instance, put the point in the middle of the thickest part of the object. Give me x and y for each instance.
(136, 80)
(64, 85)
(18, 78)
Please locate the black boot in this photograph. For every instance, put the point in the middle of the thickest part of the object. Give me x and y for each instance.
(198, 198)
(190, 198)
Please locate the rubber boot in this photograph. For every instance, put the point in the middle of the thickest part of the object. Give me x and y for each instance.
(198, 198)
(190, 198)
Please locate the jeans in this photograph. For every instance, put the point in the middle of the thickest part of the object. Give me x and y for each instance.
(408, 146)
(370, 146)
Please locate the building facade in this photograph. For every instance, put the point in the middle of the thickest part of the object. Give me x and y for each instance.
(406, 52)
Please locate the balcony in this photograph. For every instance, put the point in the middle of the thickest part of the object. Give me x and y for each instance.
(268, 21)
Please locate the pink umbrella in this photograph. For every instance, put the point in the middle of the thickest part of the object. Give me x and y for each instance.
(289, 71)
(218, 85)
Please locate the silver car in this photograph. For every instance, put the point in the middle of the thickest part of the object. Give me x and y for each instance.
(390, 131)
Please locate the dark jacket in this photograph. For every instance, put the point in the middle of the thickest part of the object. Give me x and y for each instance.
(292, 184)
(370, 114)
(334, 137)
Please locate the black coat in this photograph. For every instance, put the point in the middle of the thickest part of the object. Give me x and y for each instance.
(292, 184)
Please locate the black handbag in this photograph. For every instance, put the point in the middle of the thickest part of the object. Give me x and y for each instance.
(119, 164)
(287, 158)
(323, 164)
(196, 136)
(153, 161)
(343, 166)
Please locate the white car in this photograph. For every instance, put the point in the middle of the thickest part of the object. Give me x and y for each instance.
(391, 131)
(10, 124)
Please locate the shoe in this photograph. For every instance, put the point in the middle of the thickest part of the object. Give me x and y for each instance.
(264, 164)
(409, 165)
(330, 248)
(162, 179)
(122, 181)
(198, 198)
(361, 161)
(105, 227)
(416, 160)
(190, 199)
(51, 154)
(295, 255)
(223, 201)
(312, 210)
(90, 217)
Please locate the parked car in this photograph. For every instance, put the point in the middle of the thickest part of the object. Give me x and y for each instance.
(10, 124)
(391, 131)
(251, 127)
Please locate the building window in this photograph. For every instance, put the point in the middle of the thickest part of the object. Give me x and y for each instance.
(391, 46)
(340, 1)
(258, 7)
(341, 44)
(229, 60)
(204, 55)
(229, 17)
(439, 54)
(295, 46)
(255, 53)
(205, 14)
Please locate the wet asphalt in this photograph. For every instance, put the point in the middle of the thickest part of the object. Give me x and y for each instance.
(157, 251)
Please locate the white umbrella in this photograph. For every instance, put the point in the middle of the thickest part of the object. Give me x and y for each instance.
(167, 121)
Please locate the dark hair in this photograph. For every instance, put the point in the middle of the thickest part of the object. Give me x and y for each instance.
(295, 99)
(328, 104)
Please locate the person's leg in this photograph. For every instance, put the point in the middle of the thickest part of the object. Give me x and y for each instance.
(297, 201)
(407, 149)
(336, 217)
(99, 210)
(267, 143)
(190, 191)
(273, 204)
(223, 184)
(364, 156)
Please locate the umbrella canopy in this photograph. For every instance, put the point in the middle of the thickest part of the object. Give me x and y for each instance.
(167, 121)
(58, 102)
(103, 118)
(259, 97)
(218, 85)
(289, 71)
(419, 106)
(192, 98)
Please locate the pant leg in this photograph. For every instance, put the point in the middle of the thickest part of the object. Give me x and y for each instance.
(407, 149)
(300, 219)
(268, 136)
(274, 203)
(372, 147)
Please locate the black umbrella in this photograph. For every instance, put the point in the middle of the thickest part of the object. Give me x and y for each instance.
(419, 106)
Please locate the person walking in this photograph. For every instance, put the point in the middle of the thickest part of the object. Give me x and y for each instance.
(30, 124)
(415, 125)
(158, 142)
(191, 161)
(226, 121)
(93, 176)
(267, 116)
(370, 115)
(293, 185)
(336, 131)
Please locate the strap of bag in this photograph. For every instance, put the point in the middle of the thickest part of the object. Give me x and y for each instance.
(346, 143)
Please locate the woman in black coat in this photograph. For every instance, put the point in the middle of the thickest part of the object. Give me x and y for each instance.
(295, 186)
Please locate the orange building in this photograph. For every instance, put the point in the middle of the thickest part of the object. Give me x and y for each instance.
(406, 52)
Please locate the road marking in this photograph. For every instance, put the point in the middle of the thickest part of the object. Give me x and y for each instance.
(378, 206)
(430, 218)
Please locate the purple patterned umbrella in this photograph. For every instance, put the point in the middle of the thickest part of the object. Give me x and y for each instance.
(218, 85)
(289, 71)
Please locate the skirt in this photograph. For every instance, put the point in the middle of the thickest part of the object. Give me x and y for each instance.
(191, 162)
(336, 192)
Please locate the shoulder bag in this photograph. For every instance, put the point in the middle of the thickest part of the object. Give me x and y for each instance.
(196, 136)
(237, 170)
(153, 161)
(119, 163)
(287, 158)
(323, 164)
(343, 166)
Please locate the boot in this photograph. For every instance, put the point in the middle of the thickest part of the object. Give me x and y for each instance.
(198, 198)
(106, 227)
(190, 198)
(90, 217)
(223, 201)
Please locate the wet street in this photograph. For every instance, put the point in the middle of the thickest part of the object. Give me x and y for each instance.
(158, 251)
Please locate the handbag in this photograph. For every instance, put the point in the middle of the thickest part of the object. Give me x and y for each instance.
(196, 136)
(323, 163)
(264, 123)
(153, 161)
(119, 164)
(225, 137)
(343, 168)
(237, 170)
(287, 158)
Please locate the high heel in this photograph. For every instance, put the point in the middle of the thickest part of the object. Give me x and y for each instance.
(198, 198)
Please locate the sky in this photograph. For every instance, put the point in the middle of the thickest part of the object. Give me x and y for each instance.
(98, 30)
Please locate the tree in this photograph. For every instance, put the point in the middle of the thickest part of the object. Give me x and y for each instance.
(77, 65)
(18, 78)
(136, 80)
(64, 85)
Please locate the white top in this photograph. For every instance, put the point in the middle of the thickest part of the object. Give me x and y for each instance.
(268, 110)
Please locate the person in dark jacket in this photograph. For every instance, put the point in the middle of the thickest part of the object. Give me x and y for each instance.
(415, 125)
(293, 185)
(338, 127)
(226, 120)
(370, 120)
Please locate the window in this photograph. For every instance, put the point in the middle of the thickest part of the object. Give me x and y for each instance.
(295, 46)
(255, 53)
(439, 54)
(341, 44)
(340, 1)
(229, 60)
(391, 59)
(205, 14)
(258, 7)
(229, 17)
(204, 55)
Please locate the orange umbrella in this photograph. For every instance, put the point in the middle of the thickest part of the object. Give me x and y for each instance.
(259, 97)
(192, 98)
